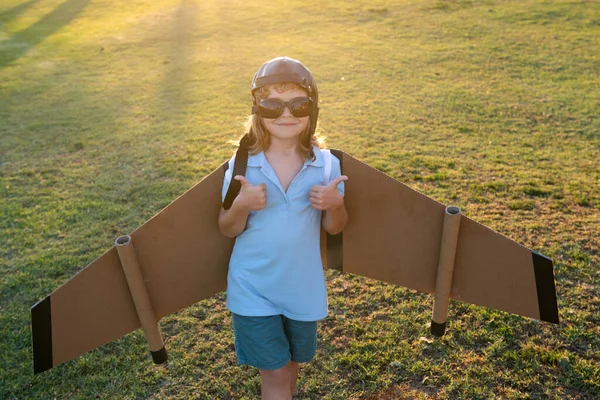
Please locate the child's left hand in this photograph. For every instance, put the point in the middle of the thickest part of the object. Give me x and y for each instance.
(327, 197)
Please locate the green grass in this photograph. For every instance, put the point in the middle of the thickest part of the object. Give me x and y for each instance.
(109, 110)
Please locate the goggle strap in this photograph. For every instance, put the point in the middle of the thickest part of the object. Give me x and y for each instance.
(280, 78)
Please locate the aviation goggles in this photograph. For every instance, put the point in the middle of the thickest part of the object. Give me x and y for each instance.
(273, 108)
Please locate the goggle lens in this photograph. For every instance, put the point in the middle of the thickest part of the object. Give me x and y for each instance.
(273, 108)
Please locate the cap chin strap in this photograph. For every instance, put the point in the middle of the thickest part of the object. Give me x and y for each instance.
(313, 120)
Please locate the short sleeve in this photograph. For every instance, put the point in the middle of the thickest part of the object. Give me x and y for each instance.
(227, 178)
(336, 171)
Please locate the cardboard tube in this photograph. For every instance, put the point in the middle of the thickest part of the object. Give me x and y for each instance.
(141, 300)
(443, 282)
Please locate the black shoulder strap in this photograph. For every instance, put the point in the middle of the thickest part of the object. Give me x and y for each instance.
(239, 168)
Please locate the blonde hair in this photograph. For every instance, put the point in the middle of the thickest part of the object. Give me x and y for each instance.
(259, 138)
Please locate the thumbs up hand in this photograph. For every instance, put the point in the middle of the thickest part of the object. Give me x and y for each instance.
(251, 197)
(327, 197)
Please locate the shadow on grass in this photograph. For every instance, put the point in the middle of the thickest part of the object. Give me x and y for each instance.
(16, 11)
(21, 42)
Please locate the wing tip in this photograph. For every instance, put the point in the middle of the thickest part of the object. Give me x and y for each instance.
(546, 289)
(41, 335)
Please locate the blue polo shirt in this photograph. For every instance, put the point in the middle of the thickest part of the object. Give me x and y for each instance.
(275, 267)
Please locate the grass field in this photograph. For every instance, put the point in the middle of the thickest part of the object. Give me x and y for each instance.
(109, 110)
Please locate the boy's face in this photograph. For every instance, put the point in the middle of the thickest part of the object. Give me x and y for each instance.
(286, 126)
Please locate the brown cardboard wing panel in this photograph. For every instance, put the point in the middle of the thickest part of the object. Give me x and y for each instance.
(91, 309)
(183, 258)
(182, 254)
(493, 271)
(393, 235)
(393, 232)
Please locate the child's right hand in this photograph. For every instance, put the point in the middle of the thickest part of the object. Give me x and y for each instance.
(251, 197)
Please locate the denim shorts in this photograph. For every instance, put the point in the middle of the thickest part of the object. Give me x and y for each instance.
(270, 342)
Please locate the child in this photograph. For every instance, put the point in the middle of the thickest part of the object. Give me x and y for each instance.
(276, 287)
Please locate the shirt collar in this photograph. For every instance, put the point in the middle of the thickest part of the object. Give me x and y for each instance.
(259, 159)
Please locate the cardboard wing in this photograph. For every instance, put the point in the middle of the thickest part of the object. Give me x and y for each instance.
(400, 236)
(394, 234)
(182, 258)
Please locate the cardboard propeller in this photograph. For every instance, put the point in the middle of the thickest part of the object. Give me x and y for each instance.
(394, 234)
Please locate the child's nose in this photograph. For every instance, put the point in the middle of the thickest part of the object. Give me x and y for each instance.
(286, 112)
